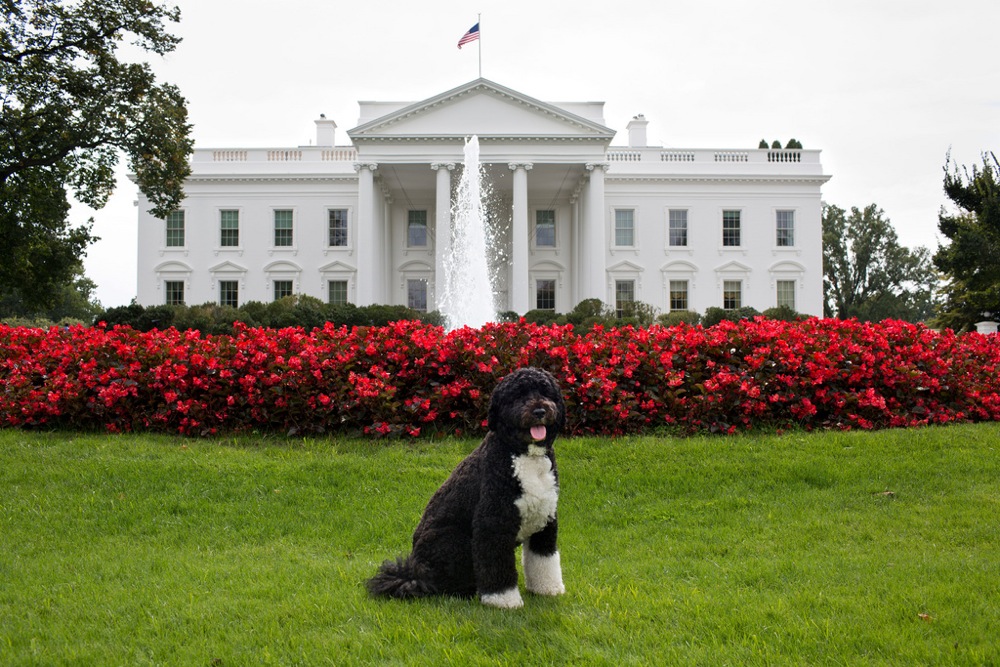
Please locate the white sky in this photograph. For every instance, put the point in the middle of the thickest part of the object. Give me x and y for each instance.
(883, 87)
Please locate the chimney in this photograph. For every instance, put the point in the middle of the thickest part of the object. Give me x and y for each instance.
(637, 131)
(325, 131)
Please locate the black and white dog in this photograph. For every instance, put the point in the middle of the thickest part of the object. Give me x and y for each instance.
(503, 494)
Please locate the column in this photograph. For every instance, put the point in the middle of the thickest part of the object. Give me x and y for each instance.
(442, 226)
(520, 292)
(365, 243)
(594, 241)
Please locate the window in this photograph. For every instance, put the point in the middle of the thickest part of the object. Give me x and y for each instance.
(174, 290)
(678, 230)
(624, 227)
(229, 293)
(624, 295)
(283, 232)
(416, 294)
(338, 227)
(282, 288)
(786, 293)
(229, 223)
(545, 229)
(416, 229)
(732, 294)
(545, 294)
(731, 228)
(785, 223)
(175, 230)
(678, 295)
(337, 292)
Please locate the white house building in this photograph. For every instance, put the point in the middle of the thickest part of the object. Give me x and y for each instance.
(578, 217)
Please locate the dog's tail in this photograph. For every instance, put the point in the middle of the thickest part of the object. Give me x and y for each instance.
(401, 579)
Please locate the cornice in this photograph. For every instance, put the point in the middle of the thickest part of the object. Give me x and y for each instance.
(483, 138)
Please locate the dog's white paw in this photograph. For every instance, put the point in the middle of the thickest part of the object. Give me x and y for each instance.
(542, 574)
(509, 599)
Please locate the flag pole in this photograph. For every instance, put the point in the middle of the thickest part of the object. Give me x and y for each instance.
(479, 22)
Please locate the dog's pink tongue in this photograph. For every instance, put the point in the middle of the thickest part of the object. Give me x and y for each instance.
(538, 432)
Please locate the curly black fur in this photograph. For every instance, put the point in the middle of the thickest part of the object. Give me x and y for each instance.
(465, 542)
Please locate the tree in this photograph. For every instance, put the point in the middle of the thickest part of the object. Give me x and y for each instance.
(69, 107)
(969, 261)
(867, 274)
(73, 301)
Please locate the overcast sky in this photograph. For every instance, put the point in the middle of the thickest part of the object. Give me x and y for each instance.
(884, 88)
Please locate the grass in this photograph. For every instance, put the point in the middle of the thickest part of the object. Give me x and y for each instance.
(820, 549)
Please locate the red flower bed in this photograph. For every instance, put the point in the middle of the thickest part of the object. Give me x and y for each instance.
(410, 378)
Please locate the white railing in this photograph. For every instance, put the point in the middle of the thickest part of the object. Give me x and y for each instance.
(304, 154)
(723, 156)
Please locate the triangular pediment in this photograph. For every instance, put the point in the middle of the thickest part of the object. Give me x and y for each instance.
(227, 267)
(485, 109)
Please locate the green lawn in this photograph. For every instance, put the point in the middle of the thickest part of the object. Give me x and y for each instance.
(800, 549)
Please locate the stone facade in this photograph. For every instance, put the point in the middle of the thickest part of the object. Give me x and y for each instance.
(576, 217)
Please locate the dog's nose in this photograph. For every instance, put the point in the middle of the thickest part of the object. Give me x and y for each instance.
(538, 412)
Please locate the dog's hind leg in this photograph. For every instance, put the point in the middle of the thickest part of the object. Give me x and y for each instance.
(540, 558)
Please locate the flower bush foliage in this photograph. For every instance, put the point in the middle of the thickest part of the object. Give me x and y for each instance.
(410, 378)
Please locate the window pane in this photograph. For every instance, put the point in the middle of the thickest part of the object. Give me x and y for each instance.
(785, 223)
(678, 227)
(338, 292)
(229, 293)
(624, 227)
(416, 229)
(174, 290)
(545, 229)
(786, 293)
(416, 295)
(282, 288)
(230, 228)
(338, 227)
(624, 295)
(678, 295)
(175, 229)
(282, 228)
(731, 228)
(545, 294)
(732, 294)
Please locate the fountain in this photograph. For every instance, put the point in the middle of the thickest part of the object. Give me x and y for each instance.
(468, 298)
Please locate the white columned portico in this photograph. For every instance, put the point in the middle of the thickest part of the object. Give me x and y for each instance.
(442, 226)
(594, 265)
(519, 289)
(365, 243)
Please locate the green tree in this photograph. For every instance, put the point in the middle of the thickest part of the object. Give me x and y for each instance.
(69, 107)
(867, 274)
(75, 300)
(970, 261)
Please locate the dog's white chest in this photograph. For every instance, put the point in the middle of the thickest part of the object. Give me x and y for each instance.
(537, 503)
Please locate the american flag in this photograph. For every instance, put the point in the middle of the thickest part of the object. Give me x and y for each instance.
(471, 36)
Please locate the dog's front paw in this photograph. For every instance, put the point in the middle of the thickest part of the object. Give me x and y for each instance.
(542, 574)
(509, 599)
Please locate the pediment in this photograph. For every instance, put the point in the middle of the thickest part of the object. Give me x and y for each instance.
(482, 108)
(679, 266)
(733, 267)
(787, 266)
(283, 266)
(227, 267)
(625, 266)
(172, 266)
(336, 266)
